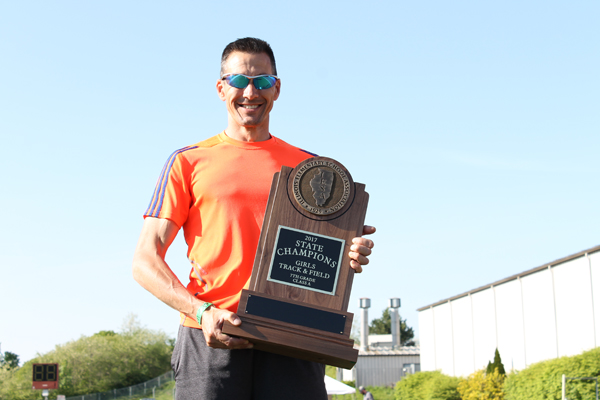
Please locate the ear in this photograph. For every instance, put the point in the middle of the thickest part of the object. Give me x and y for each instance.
(277, 89)
(221, 89)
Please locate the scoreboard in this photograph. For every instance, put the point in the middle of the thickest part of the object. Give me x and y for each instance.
(45, 376)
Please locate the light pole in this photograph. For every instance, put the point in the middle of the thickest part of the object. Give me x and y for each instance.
(394, 306)
(364, 304)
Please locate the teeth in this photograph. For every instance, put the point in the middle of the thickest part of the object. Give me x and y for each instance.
(250, 107)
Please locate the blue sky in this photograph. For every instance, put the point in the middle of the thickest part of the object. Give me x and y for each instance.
(474, 125)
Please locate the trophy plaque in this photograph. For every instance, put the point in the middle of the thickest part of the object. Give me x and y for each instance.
(297, 300)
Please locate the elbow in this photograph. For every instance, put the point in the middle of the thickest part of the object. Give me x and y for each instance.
(136, 270)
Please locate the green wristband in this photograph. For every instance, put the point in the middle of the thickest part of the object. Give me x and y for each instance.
(201, 310)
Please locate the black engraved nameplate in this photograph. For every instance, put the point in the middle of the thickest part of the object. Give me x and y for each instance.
(306, 259)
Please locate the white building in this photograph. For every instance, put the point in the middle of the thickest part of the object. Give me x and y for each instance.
(546, 312)
(382, 365)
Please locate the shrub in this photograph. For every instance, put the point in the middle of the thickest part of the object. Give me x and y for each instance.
(428, 385)
(543, 380)
(482, 386)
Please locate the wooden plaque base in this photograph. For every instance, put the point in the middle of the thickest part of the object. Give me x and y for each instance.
(298, 308)
(294, 340)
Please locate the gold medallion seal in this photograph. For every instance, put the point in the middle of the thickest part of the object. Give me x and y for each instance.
(321, 187)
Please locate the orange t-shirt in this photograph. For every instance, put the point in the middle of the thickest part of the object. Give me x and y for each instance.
(217, 190)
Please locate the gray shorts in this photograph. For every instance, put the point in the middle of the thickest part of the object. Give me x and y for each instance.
(203, 373)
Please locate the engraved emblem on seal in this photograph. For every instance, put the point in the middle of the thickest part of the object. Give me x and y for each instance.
(321, 187)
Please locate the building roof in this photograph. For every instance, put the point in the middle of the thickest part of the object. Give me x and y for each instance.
(513, 277)
(388, 351)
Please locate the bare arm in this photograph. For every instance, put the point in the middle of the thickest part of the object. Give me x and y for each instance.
(152, 272)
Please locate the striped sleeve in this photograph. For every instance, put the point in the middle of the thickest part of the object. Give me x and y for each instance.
(309, 153)
(171, 197)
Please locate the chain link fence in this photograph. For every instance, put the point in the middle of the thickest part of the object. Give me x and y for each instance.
(141, 390)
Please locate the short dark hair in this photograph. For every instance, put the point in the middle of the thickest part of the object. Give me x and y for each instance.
(248, 45)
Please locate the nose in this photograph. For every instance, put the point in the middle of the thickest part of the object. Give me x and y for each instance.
(250, 92)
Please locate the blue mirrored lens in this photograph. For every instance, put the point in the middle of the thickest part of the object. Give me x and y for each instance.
(264, 82)
(238, 81)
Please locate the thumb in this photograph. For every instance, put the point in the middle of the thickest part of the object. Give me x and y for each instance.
(234, 319)
(368, 230)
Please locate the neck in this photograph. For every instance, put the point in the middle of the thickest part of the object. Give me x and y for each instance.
(248, 134)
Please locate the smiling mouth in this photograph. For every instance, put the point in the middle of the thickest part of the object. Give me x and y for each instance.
(249, 106)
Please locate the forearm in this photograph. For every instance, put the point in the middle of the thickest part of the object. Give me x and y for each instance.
(152, 272)
(154, 275)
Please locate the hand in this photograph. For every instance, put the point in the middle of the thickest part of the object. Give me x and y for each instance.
(360, 249)
(212, 323)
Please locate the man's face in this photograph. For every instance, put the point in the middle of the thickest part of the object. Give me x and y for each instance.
(248, 107)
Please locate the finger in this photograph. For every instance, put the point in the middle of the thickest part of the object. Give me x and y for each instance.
(217, 344)
(359, 250)
(231, 342)
(359, 241)
(219, 340)
(368, 230)
(356, 266)
(358, 258)
(211, 340)
(214, 343)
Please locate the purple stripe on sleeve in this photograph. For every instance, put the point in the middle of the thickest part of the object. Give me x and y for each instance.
(155, 193)
(308, 152)
(153, 210)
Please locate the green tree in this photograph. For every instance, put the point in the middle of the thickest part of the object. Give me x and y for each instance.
(10, 360)
(105, 333)
(101, 362)
(496, 365)
(383, 326)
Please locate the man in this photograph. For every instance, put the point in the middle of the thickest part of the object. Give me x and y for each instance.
(366, 395)
(217, 190)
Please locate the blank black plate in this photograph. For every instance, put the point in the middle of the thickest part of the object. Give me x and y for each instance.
(295, 314)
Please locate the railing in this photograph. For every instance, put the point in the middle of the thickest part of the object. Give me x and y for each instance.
(145, 389)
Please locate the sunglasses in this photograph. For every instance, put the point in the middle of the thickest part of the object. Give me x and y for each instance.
(240, 81)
